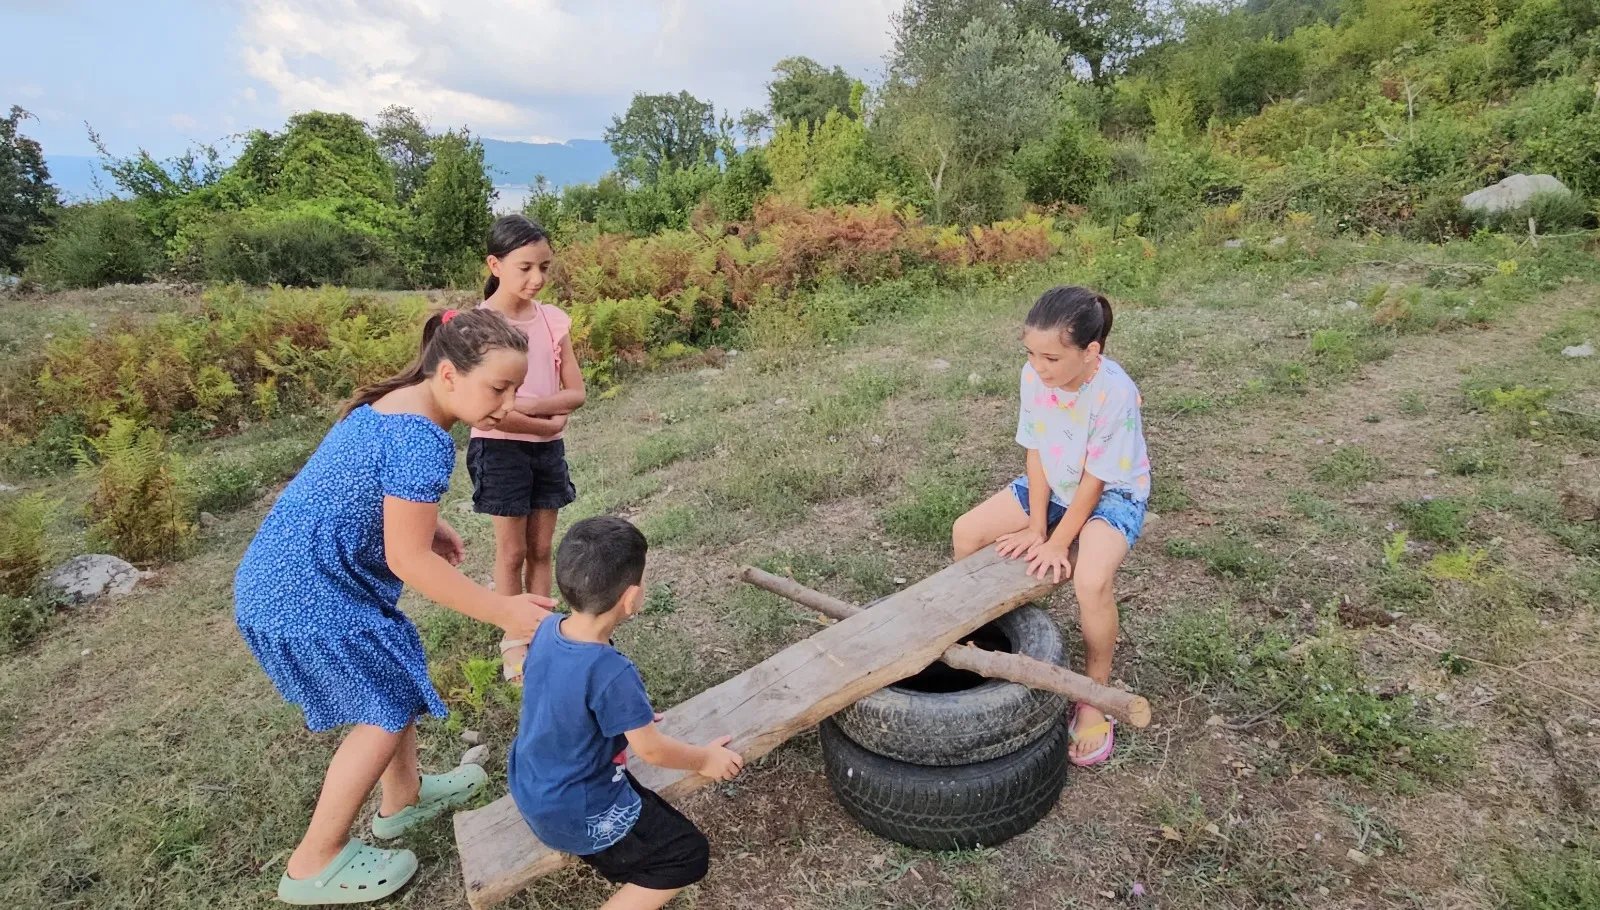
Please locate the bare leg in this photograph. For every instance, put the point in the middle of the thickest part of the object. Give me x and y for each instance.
(633, 897)
(1101, 549)
(403, 776)
(356, 767)
(541, 546)
(986, 522)
(510, 562)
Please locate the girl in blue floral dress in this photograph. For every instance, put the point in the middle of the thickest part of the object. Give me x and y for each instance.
(317, 590)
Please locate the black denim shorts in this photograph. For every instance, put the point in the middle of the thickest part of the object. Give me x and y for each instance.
(513, 477)
(663, 851)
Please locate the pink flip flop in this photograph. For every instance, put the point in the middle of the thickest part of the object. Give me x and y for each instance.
(1107, 726)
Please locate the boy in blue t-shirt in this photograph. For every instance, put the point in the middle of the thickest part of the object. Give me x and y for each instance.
(583, 705)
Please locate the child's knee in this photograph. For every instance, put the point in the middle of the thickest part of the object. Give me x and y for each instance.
(1093, 585)
(540, 551)
(511, 553)
(964, 534)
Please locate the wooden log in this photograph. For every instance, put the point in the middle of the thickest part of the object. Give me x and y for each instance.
(765, 705)
(1018, 668)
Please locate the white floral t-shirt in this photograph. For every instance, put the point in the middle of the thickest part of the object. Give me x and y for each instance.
(1097, 429)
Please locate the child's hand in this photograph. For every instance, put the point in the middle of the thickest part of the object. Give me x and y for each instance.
(721, 763)
(448, 544)
(1050, 557)
(1019, 543)
(522, 614)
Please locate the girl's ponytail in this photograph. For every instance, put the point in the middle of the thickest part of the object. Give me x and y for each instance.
(463, 338)
(1082, 316)
(511, 233)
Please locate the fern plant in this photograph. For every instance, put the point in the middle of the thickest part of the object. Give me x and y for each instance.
(23, 555)
(140, 509)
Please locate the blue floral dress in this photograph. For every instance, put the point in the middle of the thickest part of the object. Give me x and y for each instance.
(314, 597)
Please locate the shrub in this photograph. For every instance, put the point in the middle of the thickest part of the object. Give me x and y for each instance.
(96, 244)
(23, 554)
(296, 248)
(1549, 211)
(1440, 520)
(1065, 166)
(139, 505)
(21, 621)
(225, 485)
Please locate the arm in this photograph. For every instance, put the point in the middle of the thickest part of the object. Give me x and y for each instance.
(1022, 543)
(1053, 555)
(572, 395)
(519, 421)
(409, 530)
(714, 760)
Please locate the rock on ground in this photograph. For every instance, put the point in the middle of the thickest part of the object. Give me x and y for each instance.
(1512, 192)
(83, 579)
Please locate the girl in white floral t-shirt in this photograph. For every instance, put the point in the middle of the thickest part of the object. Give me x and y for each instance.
(1080, 506)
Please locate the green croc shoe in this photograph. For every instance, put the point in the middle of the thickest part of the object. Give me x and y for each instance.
(439, 792)
(357, 875)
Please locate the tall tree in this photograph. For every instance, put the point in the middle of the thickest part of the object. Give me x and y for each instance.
(27, 199)
(1102, 35)
(958, 115)
(805, 91)
(451, 208)
(663, 133)
(404, 142)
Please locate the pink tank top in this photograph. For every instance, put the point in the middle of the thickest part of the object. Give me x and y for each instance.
(545, 329)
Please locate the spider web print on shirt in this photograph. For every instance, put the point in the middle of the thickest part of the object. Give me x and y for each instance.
(612, 825)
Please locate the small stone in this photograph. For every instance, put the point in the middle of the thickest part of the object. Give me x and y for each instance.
(1151, 518)
(1215, 720)
(877, 440)
(939, 366)
(899, 580)
(1356, 856)
(8, 488)
(1579, 350)
(780, 402)
(208, 521)
(85, 652)
(974, 379)
(733, 353)
(1233, 244)
(471, 737)
(1442, 698)
(1349, 305)
(464, 507)
(1430, 473)
(475, 756)
(1322, 891)
(1272, 744)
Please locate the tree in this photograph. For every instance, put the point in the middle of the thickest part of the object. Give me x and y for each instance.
(663, 133)
(27, 199)
(806, 92)
(1264, 72)
(956, 117)
(451, 208)
(404, 142)
(1102, 35)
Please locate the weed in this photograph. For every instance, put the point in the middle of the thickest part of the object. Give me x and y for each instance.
(1461, 565)
(224, 485)
(480, 682)
(1441, 520)
(1518, 410)
(932, 506)
(1348, 467)
(861, 399)
(1566, 879)
(23, 553)
(1412, 405)
(140, 506)
(1169, 496)
(662, 449)
(672, 525)
(660, 600)
(1292, 377)
(1474, 461)
(1339, 352)
(1187, 404)
(1394, 552)
(1214, 646)
(21, 620)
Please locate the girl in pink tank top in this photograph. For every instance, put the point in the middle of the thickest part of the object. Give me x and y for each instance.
(519, 468)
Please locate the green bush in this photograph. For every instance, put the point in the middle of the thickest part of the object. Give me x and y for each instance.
(225, 485)
(23, 553)
(139, 507)
(1065, 166)
(21, 621)
(96, 244)
(1549, 211)
(294, 248)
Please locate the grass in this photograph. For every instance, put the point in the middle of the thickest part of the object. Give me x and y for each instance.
(1556, 879)
(187, 789)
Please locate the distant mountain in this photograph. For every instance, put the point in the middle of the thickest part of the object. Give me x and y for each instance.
(512, 167)
(562, 163)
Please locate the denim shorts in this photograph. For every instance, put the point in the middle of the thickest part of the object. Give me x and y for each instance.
(1116, 508)
(514, 477)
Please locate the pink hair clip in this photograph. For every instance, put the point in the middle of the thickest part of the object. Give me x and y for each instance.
(448, 315)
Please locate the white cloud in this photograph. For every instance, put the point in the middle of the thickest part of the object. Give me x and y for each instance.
(183, 122)
(543, 68)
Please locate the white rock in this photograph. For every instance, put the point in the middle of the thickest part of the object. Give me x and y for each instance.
(974, 379)
(208, 521)
(877, 440)
(899, 581)
(1350, 305)
(939, 366)
(83, 579)
(1579, 350)
(8, 488)
(476, 755)
(1512, 192)
(471, 737)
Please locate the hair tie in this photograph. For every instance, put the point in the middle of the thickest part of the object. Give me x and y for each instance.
(448, 315)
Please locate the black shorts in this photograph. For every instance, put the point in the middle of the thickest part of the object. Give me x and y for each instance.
(664, 851)
(512, 477)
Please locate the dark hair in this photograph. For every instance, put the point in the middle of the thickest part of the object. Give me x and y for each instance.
(464, 340)
(1081, 316)
(599, 559)
(509, 234)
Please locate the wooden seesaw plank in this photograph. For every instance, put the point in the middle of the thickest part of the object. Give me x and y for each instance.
(765, 705)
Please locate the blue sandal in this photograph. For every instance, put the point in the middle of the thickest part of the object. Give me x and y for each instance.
(359, 874)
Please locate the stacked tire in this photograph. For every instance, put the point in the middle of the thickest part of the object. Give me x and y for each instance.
(948, 760)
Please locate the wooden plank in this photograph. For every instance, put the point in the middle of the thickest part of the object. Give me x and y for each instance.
(765, 705)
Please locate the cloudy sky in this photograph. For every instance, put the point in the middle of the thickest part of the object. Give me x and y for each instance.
(163, 73)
